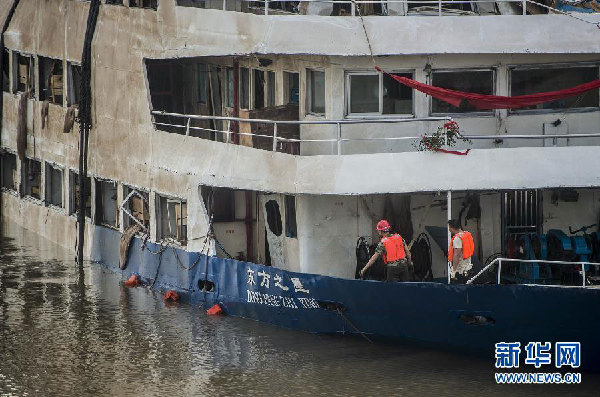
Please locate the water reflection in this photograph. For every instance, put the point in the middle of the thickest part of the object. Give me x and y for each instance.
(69, 332)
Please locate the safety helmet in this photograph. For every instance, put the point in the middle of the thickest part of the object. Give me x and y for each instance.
(383, 225)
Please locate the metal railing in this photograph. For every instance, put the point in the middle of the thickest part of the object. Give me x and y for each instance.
(186, 127)
(355, 5)
(499, 262)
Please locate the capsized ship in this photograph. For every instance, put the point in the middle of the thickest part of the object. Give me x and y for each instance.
(239, 150)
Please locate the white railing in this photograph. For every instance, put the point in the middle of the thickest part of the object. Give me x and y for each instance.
(186, 127)
(499, 262)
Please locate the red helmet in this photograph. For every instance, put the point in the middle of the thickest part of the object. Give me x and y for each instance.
(383, 225)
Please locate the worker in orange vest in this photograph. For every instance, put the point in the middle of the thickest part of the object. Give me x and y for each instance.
(460, 252)
(396, 254)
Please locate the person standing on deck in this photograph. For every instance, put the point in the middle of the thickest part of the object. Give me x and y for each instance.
(396, 254)
(459, 253)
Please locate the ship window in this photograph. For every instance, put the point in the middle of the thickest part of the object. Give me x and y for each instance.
(9, 171)
(115, 2)
(290, 217)
(23, 73)
(137, 204)
(475, 81)
(5, 71)
(315, 92)
(259, 89)
(172, 218)
(273, 217)
(535, 80)
(271, 89)
(373, 93)
(244, 88)
(51, 80)
(54, 185)
(73, 84)
(291, 83)
(192, 3)
(144, 4)
(202, 83)
(74, 194)
(107, 210)
(32, 178)
(229, 81)
(219, 202)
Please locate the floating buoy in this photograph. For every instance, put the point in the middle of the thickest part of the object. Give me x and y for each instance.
(215, 310)
(133, 281)
(171, 296)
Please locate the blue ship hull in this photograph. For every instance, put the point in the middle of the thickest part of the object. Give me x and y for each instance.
(466, 317)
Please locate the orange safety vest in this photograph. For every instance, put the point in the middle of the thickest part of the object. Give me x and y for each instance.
(468, 246)
(394, 249)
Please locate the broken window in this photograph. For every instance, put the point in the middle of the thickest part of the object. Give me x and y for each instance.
(5, 71)
(202, 83)
(373, 93)
(259, 89)
(229, 81)
(244, 88)
(32, 178)
(144, 4)
(73, 84)
(74, 194)
(107, 210)
(9, 171)
(54, 185)
(525, 81)
(23, 73)
(137, 206)
(273, 217)
(271, 89)
(172, 218)
(51, 80)
(315, 92)
(219, 203)
(475, 81)
(291, 81)
(290, 217)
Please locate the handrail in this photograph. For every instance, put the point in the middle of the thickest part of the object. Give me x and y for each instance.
(500, 260)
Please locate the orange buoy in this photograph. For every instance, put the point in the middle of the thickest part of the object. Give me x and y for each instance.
(215, 310)
(133, 281)
(171, 296)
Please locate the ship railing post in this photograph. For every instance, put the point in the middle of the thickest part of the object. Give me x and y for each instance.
(353, 8)
(187, 127)
(224, 5)
(266, 7)
(499, 269)
(440, 8)
(274, 137)
(339, 138)
(583, 273)
(524, 7)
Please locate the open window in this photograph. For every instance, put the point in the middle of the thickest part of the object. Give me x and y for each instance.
(54, 185)
(202, 83)
(291, 81)
(271, 89)
(74, 194)
(153, 4)
(6, 71)
(107, 210)
(219, 202)
(475, 81)
(244, 88)
(230, 85)
(51, 80)
(192, 3)
(9, 171)
(172, 218)
(23, 73)
(136, 207)
(372, 94)
(259, 89)
(73, 84)
(32, 178)
(315, 92)
(115, 2)
(532, 80)
(291, 229)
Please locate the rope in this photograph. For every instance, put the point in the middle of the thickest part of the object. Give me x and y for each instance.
(342, 315)
(362, 21)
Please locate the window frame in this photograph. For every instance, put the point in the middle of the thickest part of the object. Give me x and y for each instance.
(50, 166)
(474, 113)
(562, 65)
(379, 114)
(16, 182)
(308, 90)
(25, 186)
(160, 233)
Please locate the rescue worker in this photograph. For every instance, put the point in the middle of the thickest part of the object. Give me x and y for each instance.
(396, 254)
(460, 252)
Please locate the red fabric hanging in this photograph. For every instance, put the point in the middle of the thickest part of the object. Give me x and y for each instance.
(485, 102)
